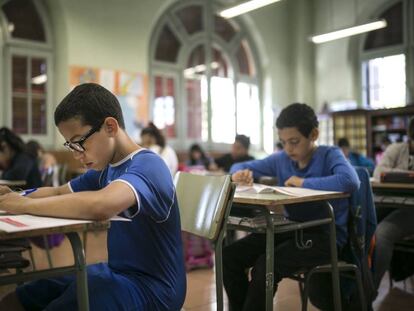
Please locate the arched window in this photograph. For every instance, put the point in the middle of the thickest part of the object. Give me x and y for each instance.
(27, 61)
(385, 55)
(204, 77)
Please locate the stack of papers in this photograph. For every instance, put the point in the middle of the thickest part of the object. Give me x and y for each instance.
(291, 191)
(17, 223)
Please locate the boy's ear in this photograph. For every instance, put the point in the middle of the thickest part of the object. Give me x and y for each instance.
(111, 126)
(314, 134)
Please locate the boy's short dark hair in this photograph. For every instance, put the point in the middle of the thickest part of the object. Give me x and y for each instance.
(410, 130)
(343, 143)
(91, 103)
(300, 116)
(243, 140)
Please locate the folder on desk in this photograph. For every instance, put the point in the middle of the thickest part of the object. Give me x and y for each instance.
(398, 177)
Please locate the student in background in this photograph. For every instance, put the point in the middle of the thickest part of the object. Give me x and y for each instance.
(153, 139)
(15, 162)
(197, 157)
(239, 153)
(46, 160)
(394, 224)
(355, 158)
(300, 164)
(385, 142)
(145, 269)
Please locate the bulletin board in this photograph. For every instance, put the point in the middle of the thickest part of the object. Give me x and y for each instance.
(130, 88)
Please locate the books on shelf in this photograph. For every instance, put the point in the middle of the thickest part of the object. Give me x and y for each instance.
(291, 191)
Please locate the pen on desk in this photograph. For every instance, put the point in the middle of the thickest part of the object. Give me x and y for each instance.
(27, 191)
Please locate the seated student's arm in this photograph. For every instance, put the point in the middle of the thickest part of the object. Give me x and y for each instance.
(389, 161)
(343, 176)
(94, 205)
(258, 168)
(43, 192)
(367, 163)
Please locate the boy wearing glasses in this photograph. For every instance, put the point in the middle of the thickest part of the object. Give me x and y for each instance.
(145, 269)
(301, 164)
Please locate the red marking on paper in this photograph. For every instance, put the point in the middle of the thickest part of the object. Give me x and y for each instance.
(13, 222)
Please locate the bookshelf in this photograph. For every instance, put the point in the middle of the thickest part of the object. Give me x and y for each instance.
(366, 129)
(354, 125)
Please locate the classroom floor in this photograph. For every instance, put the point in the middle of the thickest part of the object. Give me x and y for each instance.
(201, 294)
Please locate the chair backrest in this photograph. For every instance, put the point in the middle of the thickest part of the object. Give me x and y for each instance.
(204, 202)
(363, 211)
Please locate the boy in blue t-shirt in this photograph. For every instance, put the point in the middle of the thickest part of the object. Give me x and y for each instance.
(145, 269)
(301, 164)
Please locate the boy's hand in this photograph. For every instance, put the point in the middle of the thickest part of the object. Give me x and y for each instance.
(244, 177)
(12, 202)
(294, 181)
(4, 190)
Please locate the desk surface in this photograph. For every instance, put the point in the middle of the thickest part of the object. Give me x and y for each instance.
(92, 226)
(382, 185)
(12, 183)
(281, 199)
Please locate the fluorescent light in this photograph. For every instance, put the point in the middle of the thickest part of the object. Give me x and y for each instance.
(245, 7)
(40, 79)
(347, 32)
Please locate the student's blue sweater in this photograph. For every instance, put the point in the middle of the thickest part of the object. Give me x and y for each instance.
(327, 170)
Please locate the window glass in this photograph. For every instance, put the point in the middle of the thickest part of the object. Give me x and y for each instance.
(223, 28)
(192, 18)
(223, 110)
(385, 82)
(248, 109)
(168, 46)
(390, 35)
(244, 59)
(164, 105)
(23, 20)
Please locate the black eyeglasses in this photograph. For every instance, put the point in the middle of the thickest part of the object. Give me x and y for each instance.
(78, 144)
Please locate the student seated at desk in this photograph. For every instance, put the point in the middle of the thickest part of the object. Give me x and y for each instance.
(145, 269)
(15, 162)
(300, 164)
(153, 139)
(355, 158)
(239, 153)
(197, 157)
(396, 224)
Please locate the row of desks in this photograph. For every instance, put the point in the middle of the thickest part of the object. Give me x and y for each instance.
(269, 202)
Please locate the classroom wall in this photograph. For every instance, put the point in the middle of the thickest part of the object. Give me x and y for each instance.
(337, 75)
(116, 35)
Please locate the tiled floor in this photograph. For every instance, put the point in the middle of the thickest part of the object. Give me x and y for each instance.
(201, 295)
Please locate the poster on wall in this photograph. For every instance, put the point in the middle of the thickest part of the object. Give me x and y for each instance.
(130, 88)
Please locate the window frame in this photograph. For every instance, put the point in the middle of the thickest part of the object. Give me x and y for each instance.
(210, 39)
(27, 48)
(406, 48)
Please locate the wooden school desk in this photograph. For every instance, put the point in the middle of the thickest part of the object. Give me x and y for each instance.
(72, 232)
(396, 195)
(270, 203)
(12, 183)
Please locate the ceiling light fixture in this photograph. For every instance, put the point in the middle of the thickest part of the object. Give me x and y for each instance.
(245, 7)
(347, 32)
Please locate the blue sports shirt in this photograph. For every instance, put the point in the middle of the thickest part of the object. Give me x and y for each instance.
(148, 250)
(327, 170)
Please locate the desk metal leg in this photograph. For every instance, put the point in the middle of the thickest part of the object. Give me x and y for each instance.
(334, 260)
(81, 277)
(270, 248)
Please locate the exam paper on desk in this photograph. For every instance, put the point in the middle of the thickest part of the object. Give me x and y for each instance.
(16, 223)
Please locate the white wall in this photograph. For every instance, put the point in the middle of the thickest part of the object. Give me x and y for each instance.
(336, 62)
